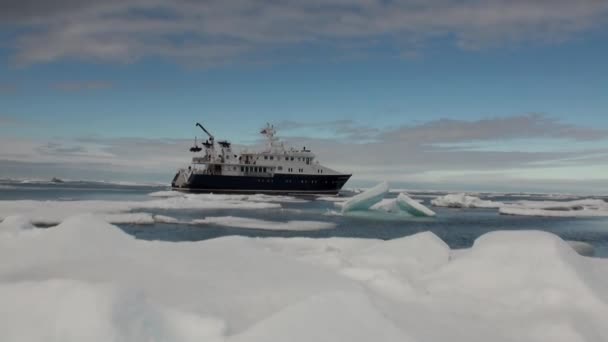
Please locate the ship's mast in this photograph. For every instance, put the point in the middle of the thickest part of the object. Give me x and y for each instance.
(209, 144)
(272, 142)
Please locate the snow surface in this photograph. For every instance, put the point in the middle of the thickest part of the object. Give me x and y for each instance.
(86, 280)
(250, 223)
(464, 201)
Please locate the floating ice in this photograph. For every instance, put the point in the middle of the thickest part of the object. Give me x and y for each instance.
(86, 280)
(54, 212)
(336, 199)
(228, 197)
(413, 207)
(366, 199)
(373, 199)
(578, 208)
(403, 204)
(463, 201)
(250, 223)
(522, 211)
(167, 193)
(165, 219)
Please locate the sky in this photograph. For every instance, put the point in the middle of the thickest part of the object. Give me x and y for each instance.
(498, 95)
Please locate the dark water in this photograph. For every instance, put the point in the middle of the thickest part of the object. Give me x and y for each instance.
(457, 227)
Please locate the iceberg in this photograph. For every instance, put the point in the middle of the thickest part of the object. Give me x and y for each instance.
(87, 280)
(366, 199)
(464, 201)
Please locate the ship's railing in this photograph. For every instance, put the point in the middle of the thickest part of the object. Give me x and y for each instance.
(201, 160)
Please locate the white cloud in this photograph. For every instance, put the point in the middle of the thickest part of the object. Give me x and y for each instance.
(415, 158)
(214, 32)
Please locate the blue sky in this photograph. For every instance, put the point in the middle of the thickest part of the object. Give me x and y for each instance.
(82, 82)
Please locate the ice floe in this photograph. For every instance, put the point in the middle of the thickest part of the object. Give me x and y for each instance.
(14, 225)
(523, 211)
(464, 201)
(250, 223)
(54, 212)
(86, 280)
(165, 219)
(577, 208)
(541, 208)
(228, 197)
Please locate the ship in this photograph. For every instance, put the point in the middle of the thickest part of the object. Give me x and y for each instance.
(215, 168)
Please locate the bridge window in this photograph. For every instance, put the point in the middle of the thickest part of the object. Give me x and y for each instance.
(265, 157)
(271, 157)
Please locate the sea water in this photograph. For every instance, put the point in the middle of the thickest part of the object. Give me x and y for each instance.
(457, 227)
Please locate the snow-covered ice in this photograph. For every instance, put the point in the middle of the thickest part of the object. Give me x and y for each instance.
(86, 280)
(541, 208)
(336, 199)
(577, 208)
(523, 211)
(402, 205)
(54, 212)
(166, 193)
(464, 201)
(228, 197)
(14, 225)
(250, 223)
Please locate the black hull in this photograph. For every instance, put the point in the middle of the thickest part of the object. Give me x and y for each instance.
(277, 184)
